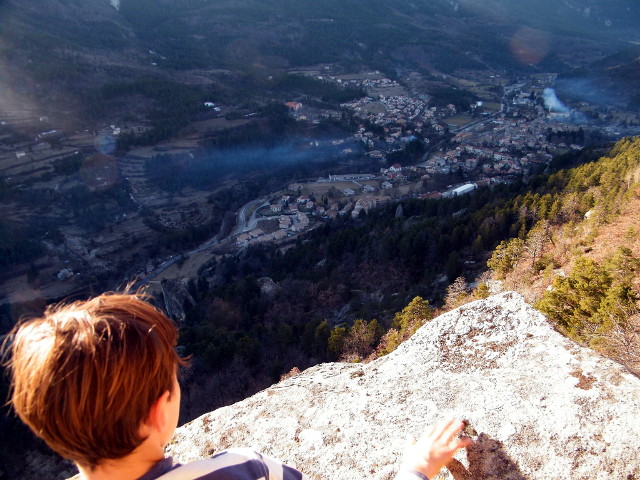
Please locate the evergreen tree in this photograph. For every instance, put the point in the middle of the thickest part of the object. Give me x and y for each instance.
(405, 324)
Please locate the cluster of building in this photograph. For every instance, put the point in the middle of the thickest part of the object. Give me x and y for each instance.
(367, 203)
(400, 118)
(293, 208)
(288, 225)
(373, 82)
(297, 212)
(291, 205)
(256, 236)
(397, 110)
(506, 145)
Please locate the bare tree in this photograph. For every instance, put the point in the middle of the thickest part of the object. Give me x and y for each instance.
(536, 240)
(455, 291)
(622, 341)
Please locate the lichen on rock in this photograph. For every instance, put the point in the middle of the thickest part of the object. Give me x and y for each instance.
(542, 407)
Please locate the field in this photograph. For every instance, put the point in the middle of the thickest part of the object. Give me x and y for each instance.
(374, 107)
(215, 125)
(459, 120)
(34, 163)
(491, 106)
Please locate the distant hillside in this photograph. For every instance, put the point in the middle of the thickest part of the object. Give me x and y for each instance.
(75, 47)
(199, 34)
(53, 52)
(613, 80)
(444, 34)
(570, 15)
(89, 33)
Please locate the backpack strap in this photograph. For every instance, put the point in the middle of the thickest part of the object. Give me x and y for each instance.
(240, 463)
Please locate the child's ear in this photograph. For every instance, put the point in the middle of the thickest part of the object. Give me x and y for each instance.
(158, 414)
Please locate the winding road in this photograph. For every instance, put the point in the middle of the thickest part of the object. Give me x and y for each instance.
(242, 225)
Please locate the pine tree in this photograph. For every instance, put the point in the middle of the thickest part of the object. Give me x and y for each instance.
(506, 256)
(405, 324)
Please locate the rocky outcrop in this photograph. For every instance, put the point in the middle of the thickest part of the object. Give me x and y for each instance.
(268, 288)
(175, 296)
(541, 406)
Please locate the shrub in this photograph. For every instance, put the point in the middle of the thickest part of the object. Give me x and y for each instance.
(594, 298)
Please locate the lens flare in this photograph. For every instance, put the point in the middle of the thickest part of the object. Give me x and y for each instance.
(105, 143)
(529, 46)
(99, 172)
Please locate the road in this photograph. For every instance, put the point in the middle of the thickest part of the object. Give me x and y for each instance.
(243, 225)
(174, 258)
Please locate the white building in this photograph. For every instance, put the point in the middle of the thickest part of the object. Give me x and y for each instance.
(462, 190)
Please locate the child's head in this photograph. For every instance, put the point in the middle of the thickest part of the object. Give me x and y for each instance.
(86, 375)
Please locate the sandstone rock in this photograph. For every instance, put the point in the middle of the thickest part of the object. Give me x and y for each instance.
(542, 406)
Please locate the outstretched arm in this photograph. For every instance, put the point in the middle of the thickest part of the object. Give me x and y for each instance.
(435, 448)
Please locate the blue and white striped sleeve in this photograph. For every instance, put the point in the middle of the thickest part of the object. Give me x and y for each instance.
(410, 475)
(235, 464)
(281, 471)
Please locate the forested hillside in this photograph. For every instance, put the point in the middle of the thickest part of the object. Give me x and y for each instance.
(354, 290)
(351, 291)
(613, 80)
(580, 261)
(58, 53)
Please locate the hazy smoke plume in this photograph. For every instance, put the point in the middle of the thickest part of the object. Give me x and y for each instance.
(553, 103)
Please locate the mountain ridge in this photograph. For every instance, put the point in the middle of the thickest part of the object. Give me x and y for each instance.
(196, 34)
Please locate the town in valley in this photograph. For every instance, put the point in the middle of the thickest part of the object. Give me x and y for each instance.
(513, 127)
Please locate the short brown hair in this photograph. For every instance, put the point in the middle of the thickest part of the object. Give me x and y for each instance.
(85, 375)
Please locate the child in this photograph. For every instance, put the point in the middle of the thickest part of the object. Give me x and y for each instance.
(97, 380)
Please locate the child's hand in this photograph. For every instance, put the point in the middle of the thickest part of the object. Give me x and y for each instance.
(435, 448)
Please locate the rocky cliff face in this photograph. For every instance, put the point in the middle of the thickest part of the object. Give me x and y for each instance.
(175, 296)
(542, 407)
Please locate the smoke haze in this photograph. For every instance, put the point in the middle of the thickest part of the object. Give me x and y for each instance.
(553, 103)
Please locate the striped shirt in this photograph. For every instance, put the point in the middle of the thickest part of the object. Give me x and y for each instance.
(233, 464)
(236, 464)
